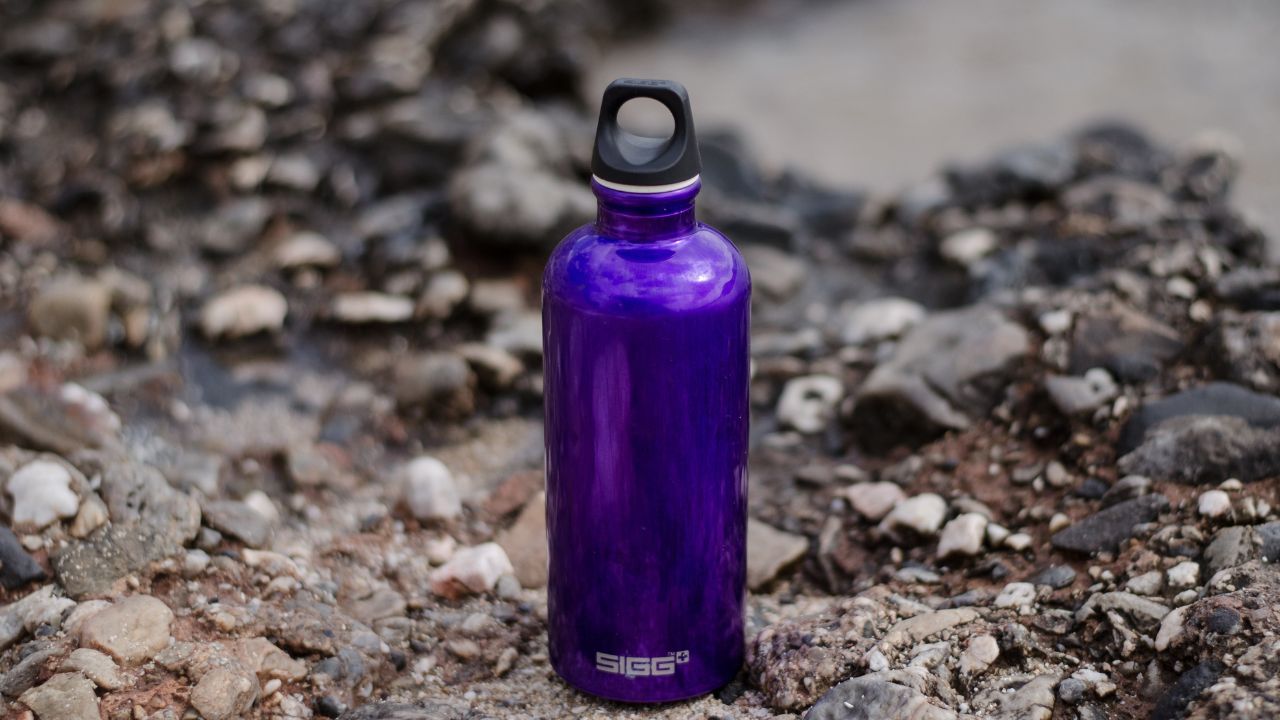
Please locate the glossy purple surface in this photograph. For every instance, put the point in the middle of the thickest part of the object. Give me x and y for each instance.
(645, 329)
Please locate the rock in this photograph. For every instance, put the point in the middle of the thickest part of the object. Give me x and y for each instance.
(72, 309)
(978, 655)
(238, 520)
(947, 369)
(1184, 575)
(1231, 546)
(1129, 344)
(65, 420)
(67, 696)
(1106, 529)
(1213, 503)
(1173, 703)
(1056, 576)
(96, 666)
(1071, 690)
(525, 543)
(307, 249)
(1034, 700)
(1251, 287)
(769, 551)
(150, 521)
(1206, 449)
(429, 490)
(1079, 395)
(519, 333)
(963, 535)
(880, 319)
(495, 367)
(1127, 488)
(444, 292)
(224, 693)
(235, 226)
(873, 500)
(17, 568)
(398, 711)
(471, 570)
(382, 603)
(868, 698)
(25, 673)
(1145, 614)
(91, 516)
(1017, 595)
(42, 493)
(808, 403)
(776, 273)
(361, 308)
(518, 205)
(442, 381)
(31, 611)
(1216, 399)
(1248, 349)
(259, 655)
(244, 310)
(967, 247)
(1148, 583)
(921, 627)
(132, 631)
(922, 514)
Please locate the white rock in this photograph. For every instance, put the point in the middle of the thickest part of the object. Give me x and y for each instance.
(922, 514)
(978, 655)
(471, 570)
(1019, 595)
(808, 403)
(1056, 322)
(1184, 575)
(244, 310)
(41, 492)
(1171, 629)
(1148, 583)
(1018, 542)
(265, 506)
(996, 534)
(444, 292)
(963, 535)
(1058, 522)
(307, 249)
(873, 500)
(1214, 503)
(881, 319)
(966, 247)
(372, 307)
(429, 490)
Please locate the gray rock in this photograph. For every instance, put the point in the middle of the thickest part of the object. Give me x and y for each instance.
(238, 520)
(63, 421)
(1251, 287)
(383, 603)
(97, 666)
(72, 309)
(1206, 449)
(769, 551)
(67, 696)
(776, 273)
(1078, 395)
(1217, 398)
(443, 381)
(1145, 613)
(867, 698)
(950, 368)
(1127, 488)
(1034, 700)
(1248, 349)
(1056, 577)
(225, 693)
(233, 227)
(400, 711)
(1105, 530)
(150, 521)
(362, 308)
(17, 568)
(1231, 546)
(879, 319)
(1071, 690)
(132, 631)
(1172, 705)
(242, 311)
(1129, 344)
(23, 675)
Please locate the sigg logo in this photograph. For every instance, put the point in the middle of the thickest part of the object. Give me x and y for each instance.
(631, 666)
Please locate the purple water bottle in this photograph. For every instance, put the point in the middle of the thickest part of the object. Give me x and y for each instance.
(646, 319)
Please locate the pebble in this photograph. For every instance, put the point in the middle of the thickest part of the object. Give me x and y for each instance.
(17, 567)
(873, 500)
(1056, 577)
(306, 249)
(66, 696)
(72, 309)
(1148, 583)
(967, 247)
(922, 514)
(769, 551)
(471, 570)
(429, 490)
(441, 381)
(1185, 574)
(1080, 395)
(978, 655)
(224, 693)
(238, 520)
(1018, 542)
(371, 307)
(445, 291)
(132, 631)
(880, 319)
(1071, 690)
(1105, 530)
(962, 535)
(244, 310)
(1017, 595)
(808, 404)
(1214, 503)
(42, 493)
(97, 666)
(525, 543)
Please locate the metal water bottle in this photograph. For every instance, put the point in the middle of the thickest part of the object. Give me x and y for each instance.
(646, 317)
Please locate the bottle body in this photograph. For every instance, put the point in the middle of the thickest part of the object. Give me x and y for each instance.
(646, 350)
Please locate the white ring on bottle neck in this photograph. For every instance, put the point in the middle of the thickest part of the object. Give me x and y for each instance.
(647, 189)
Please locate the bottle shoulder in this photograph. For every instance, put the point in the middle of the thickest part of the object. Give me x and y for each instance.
(593, 272)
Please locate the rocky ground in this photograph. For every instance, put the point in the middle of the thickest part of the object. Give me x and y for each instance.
(270, 376)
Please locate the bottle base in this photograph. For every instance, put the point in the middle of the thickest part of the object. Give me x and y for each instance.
(628, 690)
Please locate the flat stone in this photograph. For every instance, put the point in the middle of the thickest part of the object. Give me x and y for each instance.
(1172, 705)
(1132, 346)
(866, 698)
(238, 520)
(925, 625)
(97, 666)
(400, 711)
(382, 603)
(873, 500)
(525, 543)
(776, 273)
(225, 693)
(1106, 529)
(244, 310)
(371, 307)
(132, 631)
(66, 696)
(1231, 546)
(769, 551)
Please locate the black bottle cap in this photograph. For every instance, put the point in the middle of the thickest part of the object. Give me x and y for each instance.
(625, 158)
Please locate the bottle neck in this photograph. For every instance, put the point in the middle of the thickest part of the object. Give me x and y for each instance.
(643, 217)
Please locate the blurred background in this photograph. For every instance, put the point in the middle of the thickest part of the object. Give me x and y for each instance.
(878, 92)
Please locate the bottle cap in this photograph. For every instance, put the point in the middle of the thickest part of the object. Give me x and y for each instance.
(641, 163)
